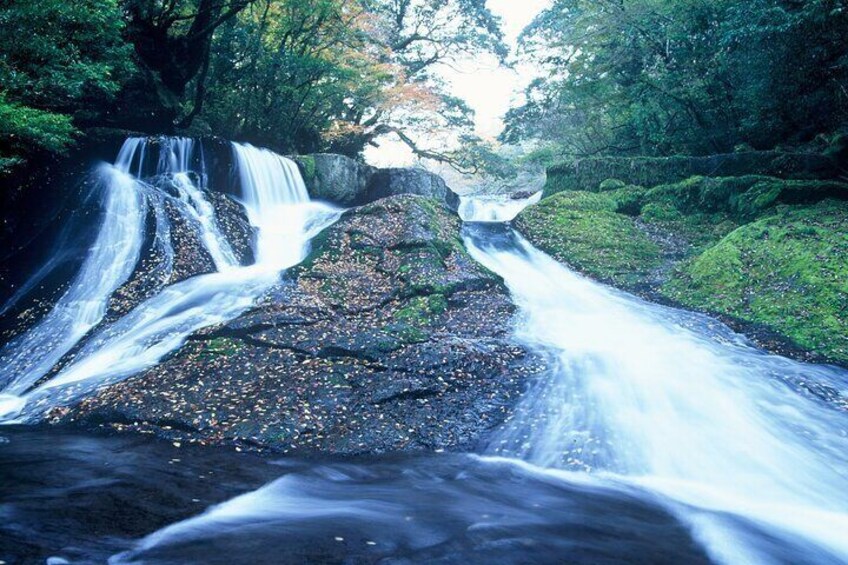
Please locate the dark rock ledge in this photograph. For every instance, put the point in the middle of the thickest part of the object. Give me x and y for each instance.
(389, 337)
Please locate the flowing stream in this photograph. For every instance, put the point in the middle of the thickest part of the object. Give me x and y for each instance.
(678, 405)
(654, 436)
(278, 207)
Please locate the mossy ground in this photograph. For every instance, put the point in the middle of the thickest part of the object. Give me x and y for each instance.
(786, 271)
(584, 230)
(759, 250)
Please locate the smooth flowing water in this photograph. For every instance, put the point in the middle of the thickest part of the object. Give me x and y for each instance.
(677, 404)
(654, 436)
(279, 208)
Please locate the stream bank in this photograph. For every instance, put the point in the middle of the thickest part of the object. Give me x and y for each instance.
(765, 255)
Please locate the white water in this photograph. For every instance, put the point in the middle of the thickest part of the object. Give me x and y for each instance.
(110, 262)
(678, 405)
(749, 449)
(493, 208)
(278, 207)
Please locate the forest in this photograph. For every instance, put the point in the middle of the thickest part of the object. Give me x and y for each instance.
(296, 75)
(636, 77)
(423, 281)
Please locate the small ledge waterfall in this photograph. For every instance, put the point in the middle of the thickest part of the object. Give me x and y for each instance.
(277, 206)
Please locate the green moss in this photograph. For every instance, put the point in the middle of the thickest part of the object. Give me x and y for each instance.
(421, 310)
(702, 194)
(744, 197)
(786, 271)
(588, 173)
(584, 230)
(628, 199)
(763, 250)
(578, 200)
(308, 162)
(611, 184)
(660, 212)
(769, 192)
(220, 346)
(407, 333)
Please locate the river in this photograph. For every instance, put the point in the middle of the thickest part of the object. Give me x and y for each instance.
(655, 435)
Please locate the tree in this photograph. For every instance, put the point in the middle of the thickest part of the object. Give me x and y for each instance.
(71, 62)
(419, 36)
(692, 76)
(172, 40)
(335, 75)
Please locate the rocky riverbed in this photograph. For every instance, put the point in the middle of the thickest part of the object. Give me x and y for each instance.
(388, 337)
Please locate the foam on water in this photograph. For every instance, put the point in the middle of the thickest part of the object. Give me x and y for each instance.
(278, 207)
(675, 403)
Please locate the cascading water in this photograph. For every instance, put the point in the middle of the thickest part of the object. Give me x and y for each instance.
(279, 209)
(651, 430)
(109, 264)
(493, 208)
(677, 404)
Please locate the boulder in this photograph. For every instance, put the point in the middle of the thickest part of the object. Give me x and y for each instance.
(388, 337)
(347, 182)
(335, 178)
(394, 181)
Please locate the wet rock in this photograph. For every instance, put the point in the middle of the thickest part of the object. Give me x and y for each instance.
(390, 182)
(388, 337)
(178, 254)
(347, 182)
(335, 178)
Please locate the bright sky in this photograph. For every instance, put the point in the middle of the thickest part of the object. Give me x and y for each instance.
(488, 88)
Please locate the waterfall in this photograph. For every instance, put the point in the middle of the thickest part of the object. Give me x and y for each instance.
(109, 263)
(282, 214)
(278, 207)
(676, 404)
(494, 208)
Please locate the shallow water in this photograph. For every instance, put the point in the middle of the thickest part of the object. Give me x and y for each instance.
(88, 498)
(655, 436)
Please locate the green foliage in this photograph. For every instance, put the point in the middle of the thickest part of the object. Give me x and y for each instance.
(654, 77)
(59, 61)
(786, 271)
(296, 75)
(22, 127)
(333, 75)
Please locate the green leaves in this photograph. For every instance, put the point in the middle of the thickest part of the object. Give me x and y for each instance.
(21, 126)
(57, 59)
(691, 76)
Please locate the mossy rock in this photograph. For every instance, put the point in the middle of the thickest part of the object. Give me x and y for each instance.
(786, 272)
(584, 230)
(307, 163)
(611, 184)
(628, 199)
(745, 196)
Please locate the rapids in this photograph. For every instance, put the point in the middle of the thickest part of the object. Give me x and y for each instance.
(654, 434)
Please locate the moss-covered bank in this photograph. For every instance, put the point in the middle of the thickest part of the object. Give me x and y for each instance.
(766, 254)
(585, 231)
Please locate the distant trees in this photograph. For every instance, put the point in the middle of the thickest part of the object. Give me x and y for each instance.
(337, 74)
(684, 76)
(296, 75)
